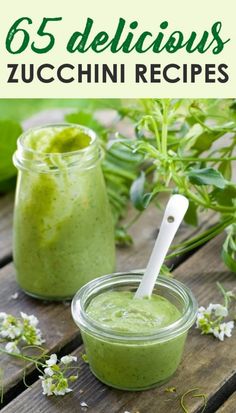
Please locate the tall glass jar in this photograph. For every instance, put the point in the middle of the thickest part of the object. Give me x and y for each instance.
(63, 227)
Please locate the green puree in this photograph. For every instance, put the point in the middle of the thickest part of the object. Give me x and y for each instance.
(63, 228)
(57, 140)
(119, 312)
(128, 363)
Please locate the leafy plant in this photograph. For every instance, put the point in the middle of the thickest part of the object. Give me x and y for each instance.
(178, 145)
(183, 146)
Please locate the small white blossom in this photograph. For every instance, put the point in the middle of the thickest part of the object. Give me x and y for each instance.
(62, 387)
(52, 361)
(62, 392)
(83, 404)
(230, 294)
(224, 329)
(38, 337)
(48, 371)
(14, 296)
(220, 310)
(209, 321)
(68, 359)
(204, 311)
(10, 328)
(47, 385)
(3, 316)
(33, 321)
(11, 347)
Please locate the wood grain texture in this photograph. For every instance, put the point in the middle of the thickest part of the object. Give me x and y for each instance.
(229, 406)
(6, 210)
(144, 233)
(207, 363)
(55, 322)
(136, 256)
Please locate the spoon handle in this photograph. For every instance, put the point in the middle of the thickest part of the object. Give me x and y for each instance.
(173, 216)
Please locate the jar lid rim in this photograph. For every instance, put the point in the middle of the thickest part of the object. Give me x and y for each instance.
(175, 329)
(88, 131)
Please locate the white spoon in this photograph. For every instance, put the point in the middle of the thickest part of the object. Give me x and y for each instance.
(174, 214)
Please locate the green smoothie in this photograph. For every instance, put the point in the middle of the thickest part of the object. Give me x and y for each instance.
(63, 228)
(124, 362)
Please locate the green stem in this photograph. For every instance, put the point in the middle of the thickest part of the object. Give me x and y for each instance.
(199, 201)
(156, 133)
(194, 244)
(219, 227)
(223, 292)
(22, 357)
(209, 159)
(164, 127)
(133, 220)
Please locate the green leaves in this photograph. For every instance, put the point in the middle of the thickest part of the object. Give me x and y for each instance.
(206, 176)
(9, 132)
(229, 248)
(84, 118)
(191, 217)
(138, 197)
(122, 237)
(225, 196)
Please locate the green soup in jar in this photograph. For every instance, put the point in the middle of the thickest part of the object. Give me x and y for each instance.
(63, 228)
(133, 344)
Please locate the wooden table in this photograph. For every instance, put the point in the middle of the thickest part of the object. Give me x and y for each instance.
(207, 364)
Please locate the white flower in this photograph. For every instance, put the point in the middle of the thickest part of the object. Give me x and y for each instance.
(52, 361)
(204, 311)
(62, 387)
(47, 385)
(3, 316)
(11, 347)
(62, 392)
(14, 296)
(48, 371)
(230, 294)
(220, 310)
(9, 330)
(83, 404)
(224, 329)
(68, 359)
(38, 338)
(33, 321)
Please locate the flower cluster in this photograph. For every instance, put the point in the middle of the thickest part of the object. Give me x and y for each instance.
(210, 321)
(15, 331)
(54, 380)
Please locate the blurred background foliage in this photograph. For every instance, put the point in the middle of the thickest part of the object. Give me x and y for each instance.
(168, 145)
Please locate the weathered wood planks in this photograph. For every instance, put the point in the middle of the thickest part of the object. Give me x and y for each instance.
(229, 406)
(6, 210)
(136, 256)
(207, 364)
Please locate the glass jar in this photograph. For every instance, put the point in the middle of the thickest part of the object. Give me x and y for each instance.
(131, 361)
(63, 227)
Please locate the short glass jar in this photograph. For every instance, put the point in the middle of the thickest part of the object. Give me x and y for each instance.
(131, 361)
(63, 227)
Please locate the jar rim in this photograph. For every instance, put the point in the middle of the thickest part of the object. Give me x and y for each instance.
(98, 285)
(26, 158)
(85, 129)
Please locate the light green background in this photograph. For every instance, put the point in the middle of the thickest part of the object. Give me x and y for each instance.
(185, 15)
